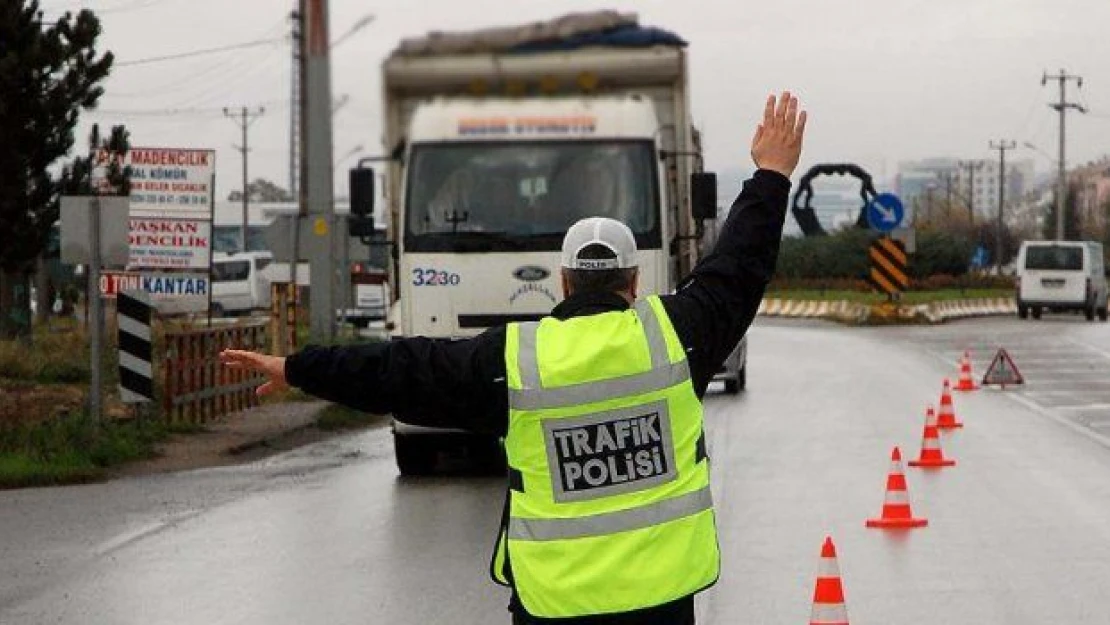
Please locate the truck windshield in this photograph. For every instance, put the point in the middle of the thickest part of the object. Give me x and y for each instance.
(524, 196)
(1054, 257)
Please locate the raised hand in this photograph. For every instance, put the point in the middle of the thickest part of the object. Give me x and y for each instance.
(777, 143)
(273, 367)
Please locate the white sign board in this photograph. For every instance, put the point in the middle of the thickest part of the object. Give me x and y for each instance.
(169, 292)
(167, 182)
(77, 225)
(170, 243)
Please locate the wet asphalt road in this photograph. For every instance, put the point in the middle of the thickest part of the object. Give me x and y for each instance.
(1019, 531)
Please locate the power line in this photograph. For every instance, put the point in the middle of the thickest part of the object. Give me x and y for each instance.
(134, 5)
(185, 55)
(236, 80)
(167, 112)
(125, 7)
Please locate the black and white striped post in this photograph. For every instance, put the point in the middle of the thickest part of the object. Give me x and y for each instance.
(135, 369)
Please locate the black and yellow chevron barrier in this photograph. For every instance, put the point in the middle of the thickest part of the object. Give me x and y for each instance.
(888, 267)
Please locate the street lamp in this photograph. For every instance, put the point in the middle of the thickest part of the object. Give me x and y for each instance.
(359, 24)
(1031, 146)
(355, 150)
(340, 102)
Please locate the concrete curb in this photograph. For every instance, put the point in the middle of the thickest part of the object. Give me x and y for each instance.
(857, 313)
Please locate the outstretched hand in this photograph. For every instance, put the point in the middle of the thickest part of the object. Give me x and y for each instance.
(777, 144)
(273, 367)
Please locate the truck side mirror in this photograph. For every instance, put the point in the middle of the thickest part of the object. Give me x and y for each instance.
(360, 226)
(361, 184)
(703, 195)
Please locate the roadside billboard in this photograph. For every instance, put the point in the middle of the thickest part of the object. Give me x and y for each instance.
(170, 292)
(169, 243)
(166, 182)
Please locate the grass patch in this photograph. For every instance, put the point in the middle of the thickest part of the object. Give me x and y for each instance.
(909, 297)
(73, 448)
(336, 417)
(49, 358)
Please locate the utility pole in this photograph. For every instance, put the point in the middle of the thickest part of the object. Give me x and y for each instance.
(317, 184)
(1062, 107)
(295, 105)
(1001, 146)
(246, 117)
(971, 166)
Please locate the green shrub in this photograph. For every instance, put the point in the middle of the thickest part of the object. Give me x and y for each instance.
(940, 253)
(843, 256)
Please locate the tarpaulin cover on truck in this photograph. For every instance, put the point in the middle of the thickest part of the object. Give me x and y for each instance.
(575, 30)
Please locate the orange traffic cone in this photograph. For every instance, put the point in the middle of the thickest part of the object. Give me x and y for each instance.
(828, 596)
(946, 420)
(896, 505)
(931, 453)
(966, 381)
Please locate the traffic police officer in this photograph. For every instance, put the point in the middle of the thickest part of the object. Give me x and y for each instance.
(609, 517)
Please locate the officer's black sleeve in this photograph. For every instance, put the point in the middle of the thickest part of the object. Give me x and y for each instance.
(713, 307)
(422, 381)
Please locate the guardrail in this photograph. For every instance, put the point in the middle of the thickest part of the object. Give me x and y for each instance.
(855, 312)
(196, 388)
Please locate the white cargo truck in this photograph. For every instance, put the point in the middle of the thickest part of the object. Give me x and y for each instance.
(495, 152)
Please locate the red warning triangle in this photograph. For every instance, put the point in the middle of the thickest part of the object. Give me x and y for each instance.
(1003, 371)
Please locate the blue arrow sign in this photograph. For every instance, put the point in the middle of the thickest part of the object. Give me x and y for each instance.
(885, 212)
(980, 258)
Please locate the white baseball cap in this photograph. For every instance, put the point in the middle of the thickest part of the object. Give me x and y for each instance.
(602, 231)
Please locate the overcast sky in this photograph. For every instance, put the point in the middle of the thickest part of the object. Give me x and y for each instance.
(884, 80)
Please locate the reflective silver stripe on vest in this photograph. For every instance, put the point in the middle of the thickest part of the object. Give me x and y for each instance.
(589, 392)
(662, 375)
(611, 522)
(526, 355)
(657, 345)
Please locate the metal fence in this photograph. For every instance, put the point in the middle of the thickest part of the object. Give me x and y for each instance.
(196, 387)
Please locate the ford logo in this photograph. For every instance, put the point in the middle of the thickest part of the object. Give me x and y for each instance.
(531, 273)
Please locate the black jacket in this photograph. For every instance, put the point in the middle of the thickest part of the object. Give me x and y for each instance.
(461, 383)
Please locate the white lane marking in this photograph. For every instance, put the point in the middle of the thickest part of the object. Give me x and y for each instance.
(1033, 381)
(1048, 413)
(1072, 425)
(1105, 354)
(141, 532)
(1036, 390)
(1084, 407)
(1100, 423)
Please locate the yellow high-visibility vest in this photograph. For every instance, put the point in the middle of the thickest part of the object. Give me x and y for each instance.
(609, 503)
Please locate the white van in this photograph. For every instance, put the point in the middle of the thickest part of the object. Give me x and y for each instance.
(238, 284)
(1061, 276)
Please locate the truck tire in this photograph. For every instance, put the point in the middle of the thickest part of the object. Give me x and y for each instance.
(739, 383)
(1089, 312)
(1023, 312)
(1036, 312)
(488, 456)
(1102, 314)
(415, 457)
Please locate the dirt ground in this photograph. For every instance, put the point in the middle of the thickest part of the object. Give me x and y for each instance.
(238, 438)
